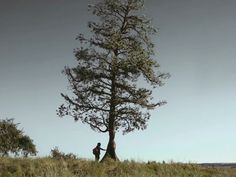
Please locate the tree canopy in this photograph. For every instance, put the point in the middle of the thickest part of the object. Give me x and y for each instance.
(110, 63)
(13, 140)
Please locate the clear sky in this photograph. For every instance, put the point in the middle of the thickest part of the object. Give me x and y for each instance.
(196, 44)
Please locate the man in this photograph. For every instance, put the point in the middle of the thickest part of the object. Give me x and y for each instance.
(96, 151)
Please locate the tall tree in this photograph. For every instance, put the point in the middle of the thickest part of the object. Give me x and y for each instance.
(105, 86)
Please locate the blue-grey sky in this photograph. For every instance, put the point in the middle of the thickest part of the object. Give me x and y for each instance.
(196, 44)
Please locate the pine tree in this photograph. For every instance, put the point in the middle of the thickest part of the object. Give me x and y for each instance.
(105, 86)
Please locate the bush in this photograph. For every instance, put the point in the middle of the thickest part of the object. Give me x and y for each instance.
(56, 154)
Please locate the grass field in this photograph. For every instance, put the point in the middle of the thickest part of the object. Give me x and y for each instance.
(49, 167)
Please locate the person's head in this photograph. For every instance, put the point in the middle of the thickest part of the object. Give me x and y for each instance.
(99, 144)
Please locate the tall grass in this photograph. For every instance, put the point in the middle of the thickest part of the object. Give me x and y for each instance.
(49, 167)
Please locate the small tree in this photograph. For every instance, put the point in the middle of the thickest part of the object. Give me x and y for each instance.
(12, 140)
(26, 146)
(105, 81)
(9, 136)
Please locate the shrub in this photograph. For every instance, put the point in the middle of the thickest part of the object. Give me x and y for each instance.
(55, 153)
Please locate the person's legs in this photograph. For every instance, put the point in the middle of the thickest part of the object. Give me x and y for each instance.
(97, 157)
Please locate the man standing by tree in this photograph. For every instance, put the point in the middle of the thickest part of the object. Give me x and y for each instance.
(107, 95)
(96, 151)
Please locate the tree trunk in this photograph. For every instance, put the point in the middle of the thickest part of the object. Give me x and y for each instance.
(111, 148)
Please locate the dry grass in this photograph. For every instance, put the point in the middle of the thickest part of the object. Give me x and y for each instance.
(48, 167)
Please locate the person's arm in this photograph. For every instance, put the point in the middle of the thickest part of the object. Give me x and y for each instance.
(102, 149)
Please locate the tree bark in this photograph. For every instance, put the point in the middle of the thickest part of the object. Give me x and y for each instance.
(111, 147)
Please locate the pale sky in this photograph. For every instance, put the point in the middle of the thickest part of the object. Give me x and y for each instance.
(196, 45)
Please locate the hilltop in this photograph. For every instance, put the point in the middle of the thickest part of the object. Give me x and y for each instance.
(49, 167)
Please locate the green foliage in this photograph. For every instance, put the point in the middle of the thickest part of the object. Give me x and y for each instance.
(106, 93)
(109, 64)
(48, 167)
(26, 146)
(56, 154)
(13, 140)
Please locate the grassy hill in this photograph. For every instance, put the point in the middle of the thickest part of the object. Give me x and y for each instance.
(49, 167)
